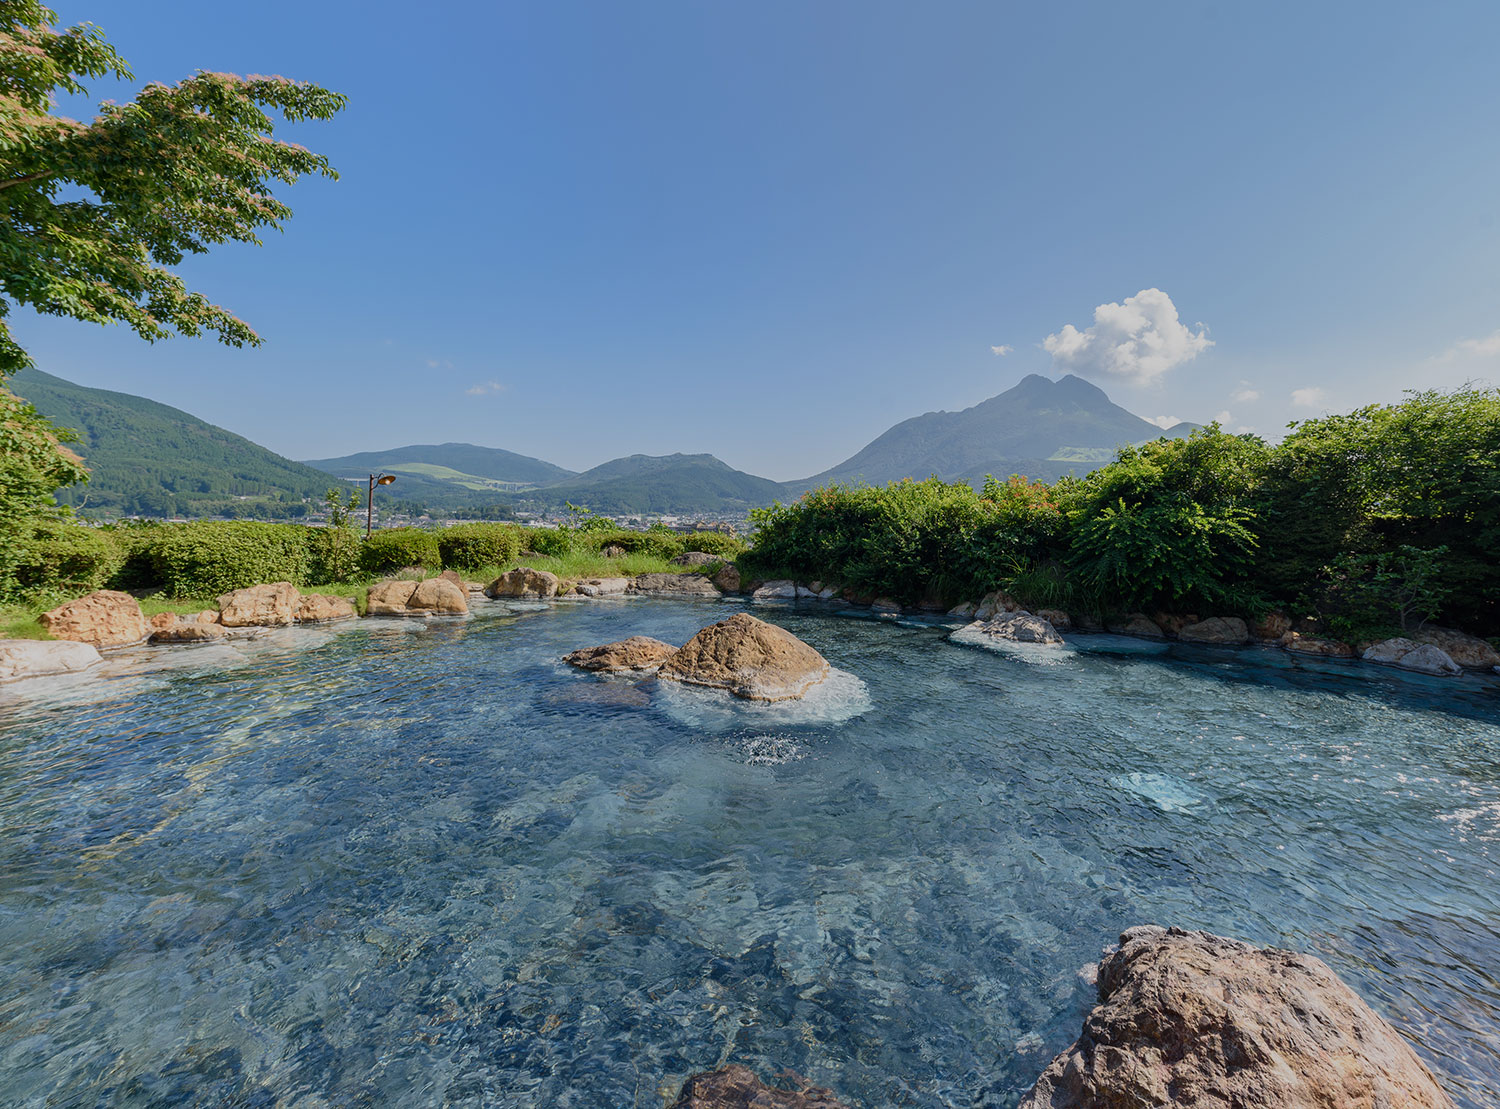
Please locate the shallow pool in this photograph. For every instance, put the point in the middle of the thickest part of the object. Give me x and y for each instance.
(407, 864)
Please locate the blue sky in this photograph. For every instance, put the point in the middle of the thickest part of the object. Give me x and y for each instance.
(769, 231)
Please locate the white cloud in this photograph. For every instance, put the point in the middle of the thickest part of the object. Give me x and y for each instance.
(1311, 397)
(1244, 394)
(1488, 347)
(485, 387)
(1138, 340)
(1164, 422)
(1224, 418)
(1001, 350)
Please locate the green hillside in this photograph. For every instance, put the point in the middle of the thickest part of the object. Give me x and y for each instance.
(151, 459)
(673, 483)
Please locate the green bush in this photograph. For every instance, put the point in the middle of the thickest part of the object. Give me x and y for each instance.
(213, 557)
(475, 546)
(716, 543)
(553, 542)
(67, 559)
(332, 555)
(658, 542)
(392, 549)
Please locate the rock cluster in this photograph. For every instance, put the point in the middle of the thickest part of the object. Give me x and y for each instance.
(433, 597)
(638, 653)
(1423, 658)
(523, 583)
(1197, 1021)
(1020, 626)
(104, 618)
(736, 1087)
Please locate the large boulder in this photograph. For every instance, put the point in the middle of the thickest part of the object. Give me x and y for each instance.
(1423, 658)
(674, 585)
(727, 580)
(1273, 625)
(1056, 617)
(1470, 652)
(104, 618)
(389, 598)
(1216, 629)
(439, 596)
(779, 590)
(602, 587)
(749, 658)
(639, 652)
(694, 559)
(992, 604)
(1137, 624)
(265, 606)
(320, 608)
(1197, 1021)
(36, 658)
(189, 631)
(736, 1087)
(1020, 626)
(523, 583)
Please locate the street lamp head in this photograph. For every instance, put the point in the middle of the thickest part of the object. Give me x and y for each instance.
(385, 479)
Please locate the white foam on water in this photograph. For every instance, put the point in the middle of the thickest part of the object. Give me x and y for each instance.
(1037, 654)
(771, 750)
(839, 697)
(1164, 791)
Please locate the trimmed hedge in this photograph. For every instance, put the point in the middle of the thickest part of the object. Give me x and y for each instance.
(394, 549)
(553, 542)
(716, 543)
(475, 546)
(214, 557)
(332, 555)
(67, 558)
(659, 542)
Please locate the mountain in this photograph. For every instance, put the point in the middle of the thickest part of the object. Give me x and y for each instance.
(447, 474)
(151, 459)
(673, 483)
(1041, 428)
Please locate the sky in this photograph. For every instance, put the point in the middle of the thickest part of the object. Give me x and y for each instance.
(769, 231)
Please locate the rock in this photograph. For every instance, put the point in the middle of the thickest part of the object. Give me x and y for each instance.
(1470, 652)
(389, 598)
(1301, 644)
(964, 611)
(440, 596)
(36, 658)
(613, 550)
(182, 632)
(727, 580)
(207, 616)
(603, 587)
(992, 604)
(885, 606)
(162, 620)
(749, 658)
(781, 590)
(1273, 625)
(816, 591)
(1056, 617)
(1087, 622)
(1172, 624)
(639, 652)
(1197, 1021)
(1020, 626)
(104, 618)
(695, 558)
(736, 1087)
(1423, 658)
(1216, 629)
(524, 583)
(1137, 624)
(674, 585)
(454, 577)
(266, 606)
(319, 608)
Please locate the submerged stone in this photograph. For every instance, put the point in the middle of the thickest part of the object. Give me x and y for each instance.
(748, 657)
(37, 658)
(736, 1087)
(639, 652)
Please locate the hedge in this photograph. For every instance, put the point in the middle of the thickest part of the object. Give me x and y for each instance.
(393, 549)
(476, 546)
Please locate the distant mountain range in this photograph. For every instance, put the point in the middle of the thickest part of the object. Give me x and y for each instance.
(150, 459)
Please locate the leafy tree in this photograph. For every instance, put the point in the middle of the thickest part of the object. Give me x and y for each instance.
(92, 214)
(33, 462)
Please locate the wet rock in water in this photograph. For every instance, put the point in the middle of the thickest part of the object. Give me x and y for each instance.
(104, 618)
(885, 606)
(267, 606)
(1172, 623)
(779, 590)
(439, 596)
(964, 611)
(523, 583)
(1301, 644)
(1423, 658)
(727, 580)
(736, 1087)
(388, 598)
(1470, 652)
(1273, 625)
(1198, 1021)
(674, 585)
(695, 558)
(1137, 624)
(749, 658)
(1216, 629)
(816, 591)
(1020, 626)
(602, 587)
(1056, 617)
(320, 608)
(37, 658)
(189, 632)
(639, 652)
(162, 620)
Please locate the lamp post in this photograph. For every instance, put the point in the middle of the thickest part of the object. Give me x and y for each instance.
(375, 479)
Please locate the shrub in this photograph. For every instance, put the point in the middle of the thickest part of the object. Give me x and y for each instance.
(475, 546)
(213, 557)
(553, 542)
(658, 542)
(332, 555)
(390, 550)
(67, 559)
(716, 543)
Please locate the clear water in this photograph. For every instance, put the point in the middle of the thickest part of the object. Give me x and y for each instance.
(420, 865)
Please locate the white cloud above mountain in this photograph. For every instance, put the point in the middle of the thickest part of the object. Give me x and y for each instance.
(1002, 350)
(1310, 397)
(1136, 341)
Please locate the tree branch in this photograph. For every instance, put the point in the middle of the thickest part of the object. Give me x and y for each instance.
(28, 178)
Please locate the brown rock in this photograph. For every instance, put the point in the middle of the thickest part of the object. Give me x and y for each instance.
(639, 652)
(104, 618)
(1056, 617)
(36, 658)
(1216, 629)
(260, 606)
(1470, 652)
(1137, 624)
(886, 605)
(1087, 622)
(183, 632)
(207, 616)
(1172, 623)
(749, 658)
(603, 587)
(694, 559)
(992, 604)
(439, 595)
(1301, 644)
(1197, 1021)
(674, 585)
(162, 620)
(727, 580)
(736, 1087)
(454, 577)
(319, 608)
(1020, 626)
(1273, 625)
(523, 583)
(389, 598)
